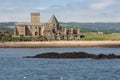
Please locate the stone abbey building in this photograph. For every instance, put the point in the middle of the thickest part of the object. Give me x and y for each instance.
(50, 30)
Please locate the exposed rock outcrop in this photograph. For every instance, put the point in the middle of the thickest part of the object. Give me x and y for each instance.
(109, 56)
(74, 55)
(63, 55)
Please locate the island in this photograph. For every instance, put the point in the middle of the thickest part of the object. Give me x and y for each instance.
(74, 55)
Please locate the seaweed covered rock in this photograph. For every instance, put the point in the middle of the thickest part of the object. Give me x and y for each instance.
(74, 55)
(105, 56)
(63, 55)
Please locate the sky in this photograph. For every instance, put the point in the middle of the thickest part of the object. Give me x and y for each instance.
(64, 10)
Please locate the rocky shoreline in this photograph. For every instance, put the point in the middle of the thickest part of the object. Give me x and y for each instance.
(74, 55)
(52, 44)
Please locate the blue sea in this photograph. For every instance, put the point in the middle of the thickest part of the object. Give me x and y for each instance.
(14, 67)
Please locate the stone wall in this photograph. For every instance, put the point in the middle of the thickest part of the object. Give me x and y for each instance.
(50, 30)
(35, 18)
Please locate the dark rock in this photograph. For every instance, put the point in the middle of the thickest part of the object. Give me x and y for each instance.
(63, 55)
(74, 55)
(47, 55)
(109, 56)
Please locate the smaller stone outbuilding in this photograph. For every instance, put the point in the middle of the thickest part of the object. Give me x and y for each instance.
(3, 32)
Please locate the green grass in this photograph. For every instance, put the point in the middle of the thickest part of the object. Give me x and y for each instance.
(10, 30)
(101, 37)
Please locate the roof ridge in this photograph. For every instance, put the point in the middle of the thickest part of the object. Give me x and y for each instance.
(53, 19)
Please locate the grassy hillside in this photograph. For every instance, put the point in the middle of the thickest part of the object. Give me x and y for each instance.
(95, 27)
(101, 37)
(11, 30)
(7, 26)
(7, 23)
(85, 27)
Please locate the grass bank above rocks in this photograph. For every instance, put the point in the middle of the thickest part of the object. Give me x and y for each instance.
(101, 37)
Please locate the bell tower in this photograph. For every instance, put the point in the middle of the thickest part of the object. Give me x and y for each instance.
(35, 18)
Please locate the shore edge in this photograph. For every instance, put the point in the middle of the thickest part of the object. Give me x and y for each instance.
(52, 44)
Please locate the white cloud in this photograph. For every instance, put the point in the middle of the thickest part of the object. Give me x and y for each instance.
(70, 11)
(42, 8)
(102, 4)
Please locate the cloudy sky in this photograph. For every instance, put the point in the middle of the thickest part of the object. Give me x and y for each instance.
(65, 10)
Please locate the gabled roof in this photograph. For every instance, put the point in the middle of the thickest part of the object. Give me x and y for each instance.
(53, 20)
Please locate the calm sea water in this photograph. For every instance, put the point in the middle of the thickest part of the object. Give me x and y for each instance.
(14, 67)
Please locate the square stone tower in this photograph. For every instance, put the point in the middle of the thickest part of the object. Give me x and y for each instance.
(35, 18)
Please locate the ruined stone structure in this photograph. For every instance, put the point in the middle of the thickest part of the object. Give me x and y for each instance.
(4, 32)
(50, 30)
